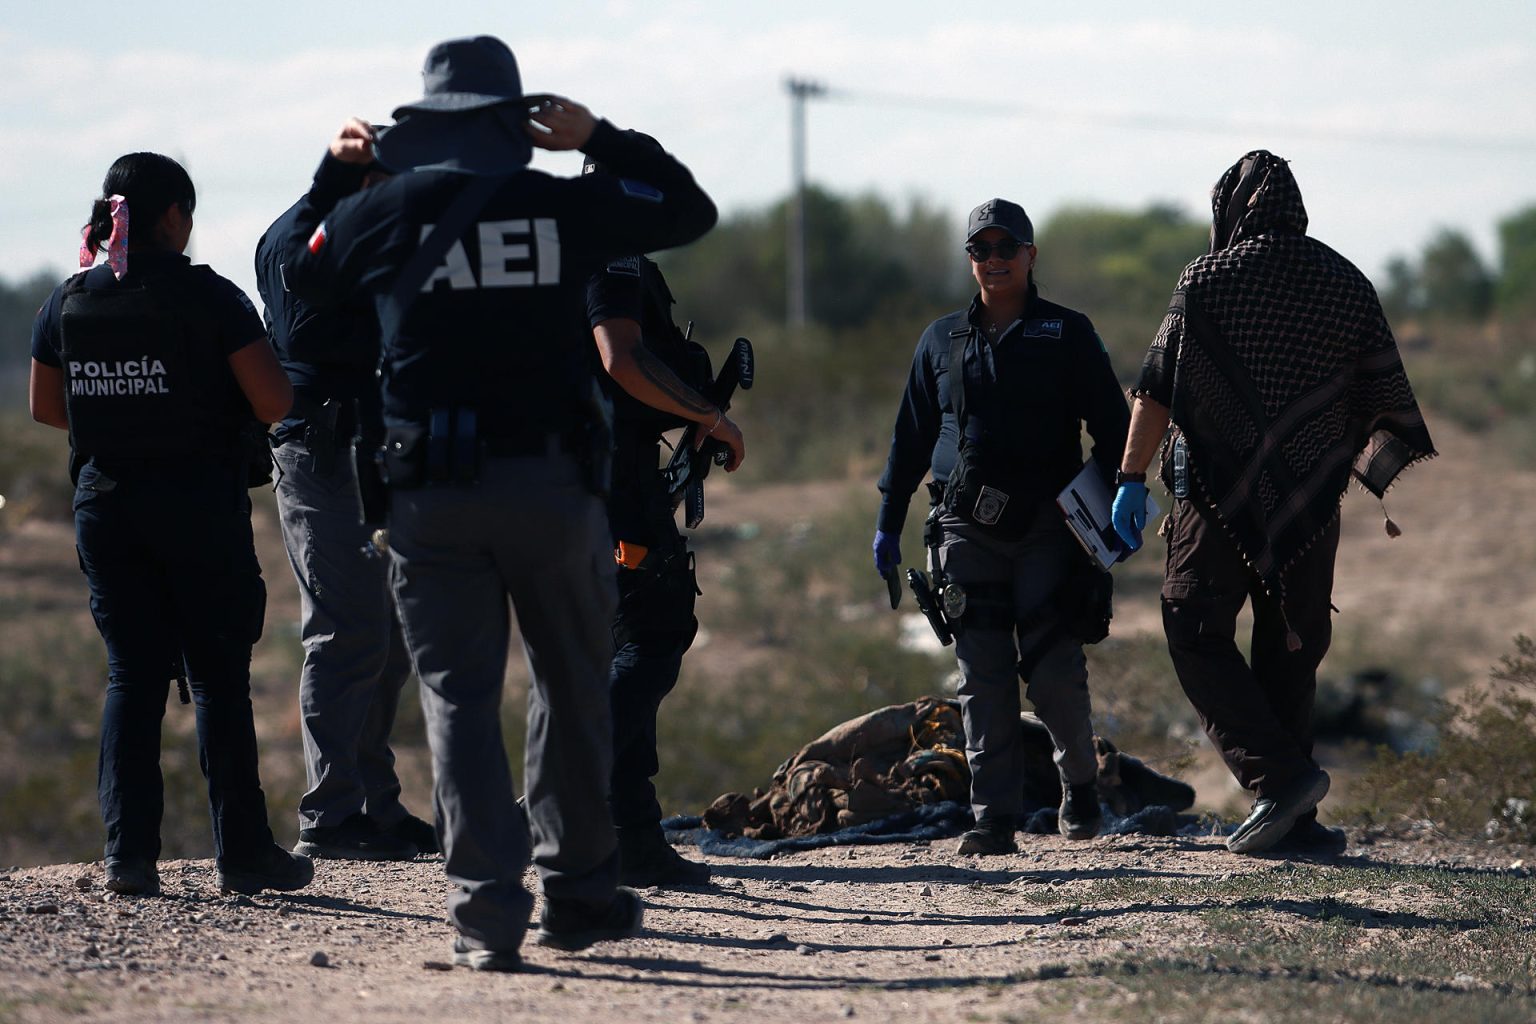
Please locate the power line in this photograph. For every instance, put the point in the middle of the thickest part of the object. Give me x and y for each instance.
(1145, 121)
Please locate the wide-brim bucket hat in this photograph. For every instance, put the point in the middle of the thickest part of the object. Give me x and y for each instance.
(470, 117)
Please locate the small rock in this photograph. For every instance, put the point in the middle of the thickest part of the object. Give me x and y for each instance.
(220, 956)
(1068, 922)
(946, 942)
(797, 887)
(435, 965)
(777, 938)
(319, 959)
(92, 951)
(926, 890)
(1464, 979)
(292, 926)
(804, 950)
(847, 1011)
(43, 908)
(932, 956)
(558, 986)
(1516, 865)
(84, 882)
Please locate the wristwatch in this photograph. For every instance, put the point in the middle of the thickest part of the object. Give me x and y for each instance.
(1122, 477)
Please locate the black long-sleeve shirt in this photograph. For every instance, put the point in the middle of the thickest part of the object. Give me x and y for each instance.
(328, 353)
(1028, 394)
(498, 327)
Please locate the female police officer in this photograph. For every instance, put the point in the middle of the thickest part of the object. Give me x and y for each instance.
(1003, 437)
(159, 369)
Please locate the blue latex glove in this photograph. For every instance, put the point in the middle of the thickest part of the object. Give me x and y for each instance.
(1129, 513)
(887, 551)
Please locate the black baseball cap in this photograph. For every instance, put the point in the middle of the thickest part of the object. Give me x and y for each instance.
(1000, 213)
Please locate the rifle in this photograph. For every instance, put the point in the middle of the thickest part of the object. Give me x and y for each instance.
(685, 472)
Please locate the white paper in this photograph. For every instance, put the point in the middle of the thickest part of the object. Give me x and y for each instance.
(1086, 503)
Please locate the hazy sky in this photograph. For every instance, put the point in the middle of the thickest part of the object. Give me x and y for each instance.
(1399, 118)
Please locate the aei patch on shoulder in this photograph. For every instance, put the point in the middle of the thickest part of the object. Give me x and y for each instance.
(629, 266)
(640, 190)
(1042, 328)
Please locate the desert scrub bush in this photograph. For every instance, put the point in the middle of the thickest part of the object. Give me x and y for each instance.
(1480, 779)
(34, 471)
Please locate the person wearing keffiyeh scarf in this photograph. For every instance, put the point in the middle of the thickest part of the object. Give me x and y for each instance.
(1281, 379)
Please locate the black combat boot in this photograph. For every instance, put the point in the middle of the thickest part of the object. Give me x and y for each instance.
(1079, 816)
(990, 836)
(647, 859)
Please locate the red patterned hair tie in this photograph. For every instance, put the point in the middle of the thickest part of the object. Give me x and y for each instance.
(116, 245)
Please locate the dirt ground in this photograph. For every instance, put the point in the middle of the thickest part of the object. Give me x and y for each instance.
(908, 932)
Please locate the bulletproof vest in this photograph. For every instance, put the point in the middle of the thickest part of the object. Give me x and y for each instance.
(141, 380)
(688, 359)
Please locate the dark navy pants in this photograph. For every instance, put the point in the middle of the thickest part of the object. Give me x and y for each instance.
(652, 630)
(176, 591)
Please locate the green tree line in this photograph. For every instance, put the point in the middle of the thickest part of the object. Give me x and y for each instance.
(878, 271)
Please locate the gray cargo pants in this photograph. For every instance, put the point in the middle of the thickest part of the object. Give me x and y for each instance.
(529, 539)
(1057, 685)
(355, 661)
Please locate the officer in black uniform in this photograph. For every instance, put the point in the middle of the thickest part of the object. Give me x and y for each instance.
(494, 450)
(1000, 449)
(355, 661)
(160, 371)
(630, 309)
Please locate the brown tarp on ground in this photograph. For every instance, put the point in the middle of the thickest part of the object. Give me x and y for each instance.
(899, 757)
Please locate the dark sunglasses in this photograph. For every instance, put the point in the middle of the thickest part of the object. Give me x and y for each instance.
(1007, 249)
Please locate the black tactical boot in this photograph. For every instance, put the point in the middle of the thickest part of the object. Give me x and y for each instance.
(573, 926)
(274, 868)
(1079, 816)
(1274, 815)
(133, 878)
(990, 836)
(647, 859)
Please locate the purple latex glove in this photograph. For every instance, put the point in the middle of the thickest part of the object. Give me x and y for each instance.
(887, 551)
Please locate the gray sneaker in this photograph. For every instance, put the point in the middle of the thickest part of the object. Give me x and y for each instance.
(1272, 816)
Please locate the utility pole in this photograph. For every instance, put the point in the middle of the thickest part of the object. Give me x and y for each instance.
(799, 307)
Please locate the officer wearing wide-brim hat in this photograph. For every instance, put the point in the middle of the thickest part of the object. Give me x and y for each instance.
(486, 378)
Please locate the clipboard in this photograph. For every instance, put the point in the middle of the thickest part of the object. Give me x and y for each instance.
(1085, 504)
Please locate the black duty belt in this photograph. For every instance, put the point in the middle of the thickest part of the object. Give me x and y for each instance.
(528, 444)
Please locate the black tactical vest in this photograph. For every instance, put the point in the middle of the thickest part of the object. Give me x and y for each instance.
(142, 378)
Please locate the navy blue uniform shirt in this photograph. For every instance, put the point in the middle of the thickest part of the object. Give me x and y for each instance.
(328, 353)
(498, 327)
(1029, 393)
